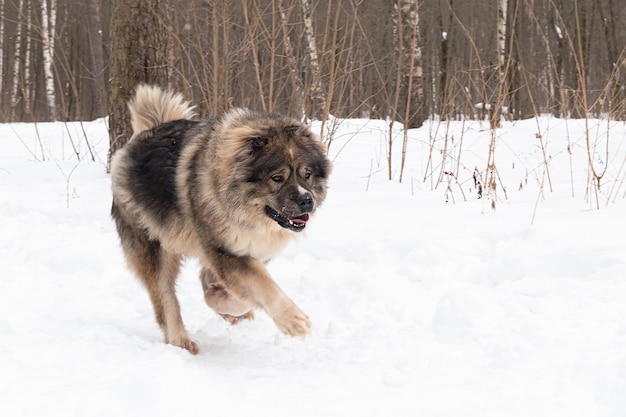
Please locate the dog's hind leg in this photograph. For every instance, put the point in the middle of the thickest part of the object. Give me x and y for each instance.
(157, 270)
(162, 289)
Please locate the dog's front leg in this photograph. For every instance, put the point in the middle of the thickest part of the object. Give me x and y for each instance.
(248, 279)
(225, 303)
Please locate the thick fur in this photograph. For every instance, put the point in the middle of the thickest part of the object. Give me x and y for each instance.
(230, 191)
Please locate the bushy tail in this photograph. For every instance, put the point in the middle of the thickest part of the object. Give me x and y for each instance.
(152, 106)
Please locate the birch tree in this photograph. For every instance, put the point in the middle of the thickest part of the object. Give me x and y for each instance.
(27, 89)
(317, 96)
(502, 4)
(48, 23)
(1, 44)
(413, 71)
(296, 81)
(17, 59)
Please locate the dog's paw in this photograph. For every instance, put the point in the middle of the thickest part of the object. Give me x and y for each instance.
(185, 343)
(293, 322)
(236, 319)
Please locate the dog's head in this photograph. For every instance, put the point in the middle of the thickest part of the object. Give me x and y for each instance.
(283, 168)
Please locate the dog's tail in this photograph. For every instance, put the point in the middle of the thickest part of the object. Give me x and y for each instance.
(152, 106)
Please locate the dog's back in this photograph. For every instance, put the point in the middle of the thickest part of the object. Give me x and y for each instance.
(152, 106)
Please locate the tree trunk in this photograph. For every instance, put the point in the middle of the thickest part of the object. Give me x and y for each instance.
(2, 46)
(614, 103)
(139, 47)
(446, 108)
(97, 59)
(411, 63)
(317, 97)
(215, 52)
(501, 38)
(296, 81)
(499, 101)
(562, 110)
(250, 32)
(16, 62)
(580, 108)
(48, 23)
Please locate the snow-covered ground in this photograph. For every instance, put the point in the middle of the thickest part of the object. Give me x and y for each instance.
(420, 307)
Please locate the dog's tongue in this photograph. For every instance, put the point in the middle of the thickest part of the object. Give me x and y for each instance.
(300, 219)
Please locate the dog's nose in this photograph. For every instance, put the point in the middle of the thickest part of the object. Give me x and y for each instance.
(305, 202)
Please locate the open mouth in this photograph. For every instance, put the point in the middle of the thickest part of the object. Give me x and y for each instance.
(297, 224)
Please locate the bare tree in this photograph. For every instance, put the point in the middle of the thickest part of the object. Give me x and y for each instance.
(412, 63)
(326, 56)
(608, 18)
(1, 45)
(17, 59)
(501, 22)
(139, 50)
(317, 96)
(48, 26)
(292, 65)
(98, 92)
(250, 29)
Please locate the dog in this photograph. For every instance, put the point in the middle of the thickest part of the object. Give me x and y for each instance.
(231, 191)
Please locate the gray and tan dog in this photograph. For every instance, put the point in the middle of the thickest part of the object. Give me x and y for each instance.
(230, 191)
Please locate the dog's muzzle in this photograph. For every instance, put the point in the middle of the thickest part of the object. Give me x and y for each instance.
(295, 223)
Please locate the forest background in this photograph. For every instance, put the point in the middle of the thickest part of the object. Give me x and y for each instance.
(399, 60)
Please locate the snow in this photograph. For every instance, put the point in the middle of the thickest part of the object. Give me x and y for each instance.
(419, 307)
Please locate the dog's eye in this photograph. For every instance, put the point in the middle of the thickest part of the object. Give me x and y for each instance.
(307, 175)
(278, 178)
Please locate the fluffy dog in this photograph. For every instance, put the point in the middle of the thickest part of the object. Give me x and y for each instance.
(231, 191)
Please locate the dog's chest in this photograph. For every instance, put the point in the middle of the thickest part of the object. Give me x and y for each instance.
(259, 245)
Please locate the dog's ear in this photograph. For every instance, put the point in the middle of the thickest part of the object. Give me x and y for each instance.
(293, 129)
(257, 143)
